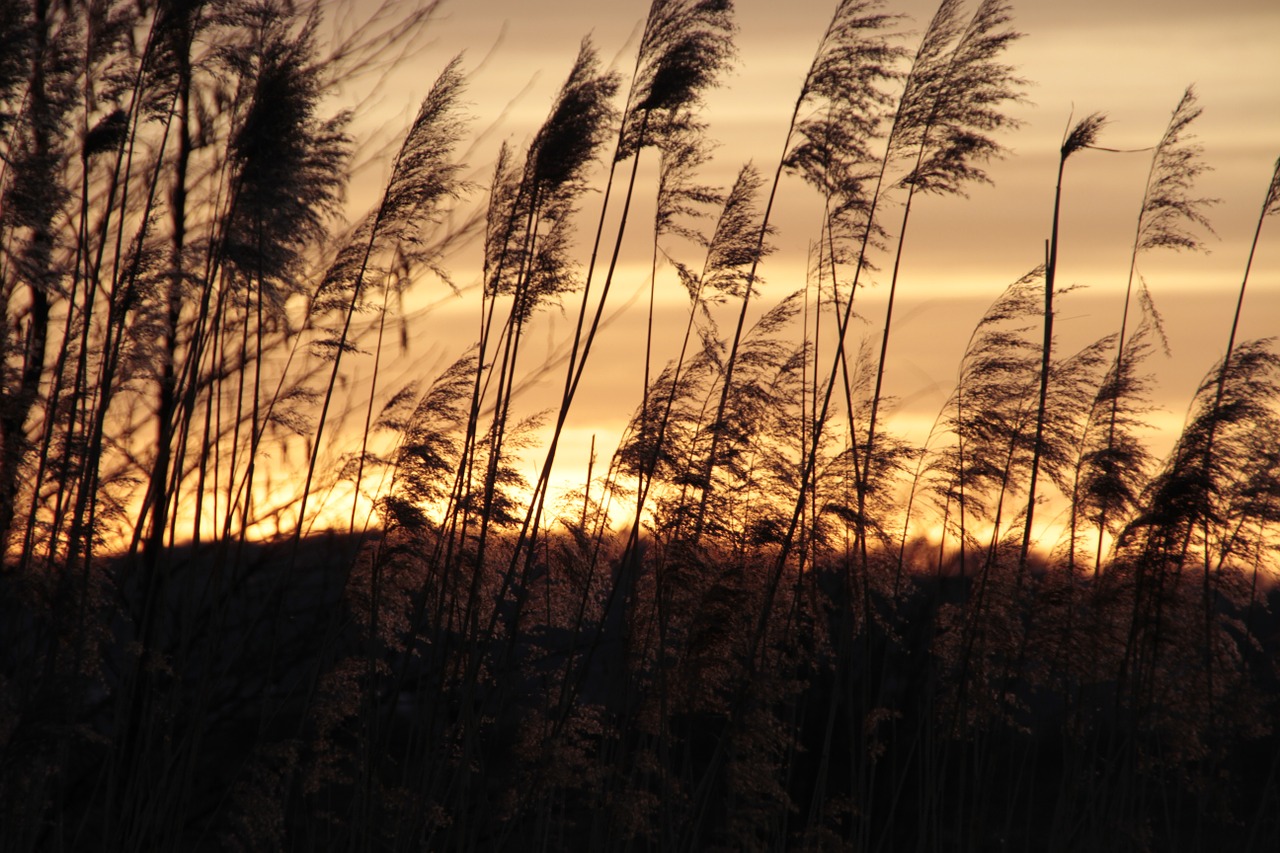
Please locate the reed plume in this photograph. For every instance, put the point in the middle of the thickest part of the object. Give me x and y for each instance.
(852, 51)
(748, 628)
(685, 47)
(423, 179)
(949, 109)
(1082, 135)
(1169, 217)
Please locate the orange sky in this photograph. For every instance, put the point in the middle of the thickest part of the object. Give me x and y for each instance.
(1129, 59)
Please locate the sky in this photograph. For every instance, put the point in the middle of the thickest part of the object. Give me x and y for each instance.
(1131, 60)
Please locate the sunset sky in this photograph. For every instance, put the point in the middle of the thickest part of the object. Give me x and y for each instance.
(1131, 60)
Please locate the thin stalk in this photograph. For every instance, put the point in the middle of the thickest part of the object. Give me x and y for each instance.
(1163, 221)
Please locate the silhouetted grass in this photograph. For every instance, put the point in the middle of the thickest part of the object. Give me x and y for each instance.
(767, 622)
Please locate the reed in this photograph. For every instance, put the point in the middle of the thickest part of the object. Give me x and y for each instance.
(767, 620)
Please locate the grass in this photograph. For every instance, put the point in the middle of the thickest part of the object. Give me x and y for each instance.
(767, 621)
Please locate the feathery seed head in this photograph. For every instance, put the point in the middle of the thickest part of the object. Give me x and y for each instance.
(1170, 215)
(686, 45)
(845, 93)
(288, 162)
(423, 178)
(571, 135)
(528, 234)
(735, 245)
(1084, 134)
(1272, 203)
(679, 194)
(951, 103)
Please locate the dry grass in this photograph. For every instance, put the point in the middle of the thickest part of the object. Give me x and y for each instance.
(732, 635)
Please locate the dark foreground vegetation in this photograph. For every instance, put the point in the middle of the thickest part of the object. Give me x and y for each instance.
(767, 623)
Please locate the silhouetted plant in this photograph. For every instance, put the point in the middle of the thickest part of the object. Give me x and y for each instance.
(729, 250)
(1169, 217)
(1203, 502)
(534, 265)
(423, 178)
(850, 47)
(685, 46)
(39, 144)
(948, 109)
(1081, 136)
(845, 89)
(754, 627)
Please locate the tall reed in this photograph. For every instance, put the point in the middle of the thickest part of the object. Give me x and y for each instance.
(760, 623)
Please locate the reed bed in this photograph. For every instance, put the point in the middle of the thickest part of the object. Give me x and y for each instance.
(766, 620)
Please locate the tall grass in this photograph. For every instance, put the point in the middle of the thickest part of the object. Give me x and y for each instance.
(767, 622)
